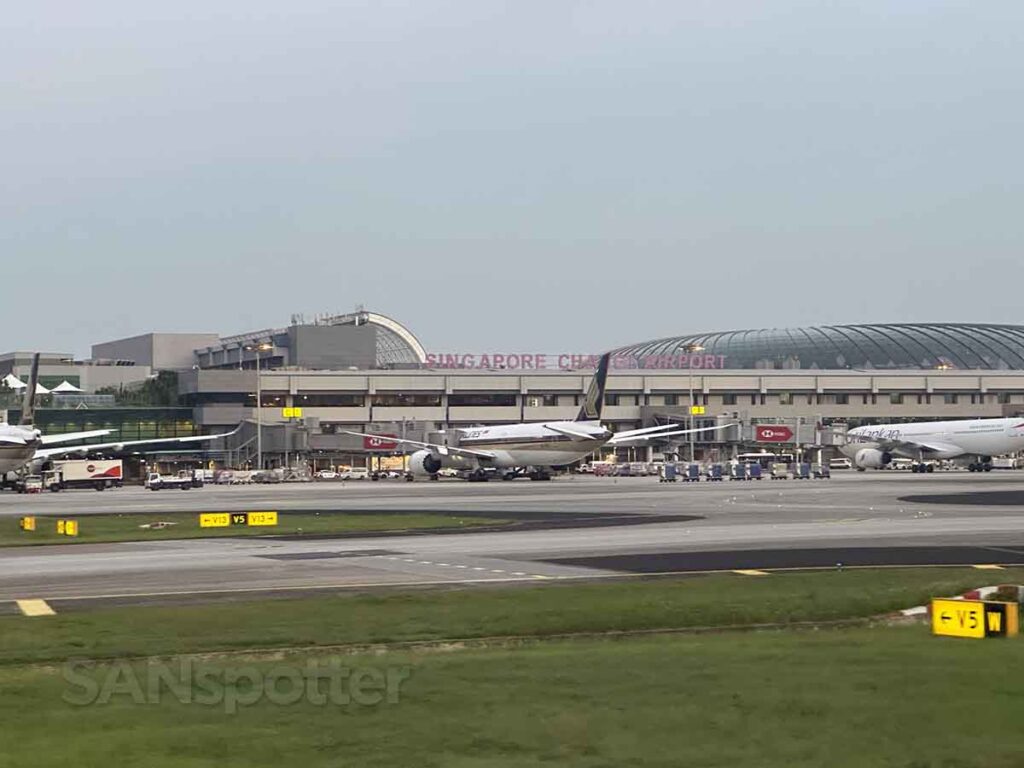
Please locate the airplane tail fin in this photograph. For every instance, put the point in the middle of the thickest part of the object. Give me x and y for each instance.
(594, 401)
(28, 411)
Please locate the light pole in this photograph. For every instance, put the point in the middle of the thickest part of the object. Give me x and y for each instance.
(690, 350)
(259, 403)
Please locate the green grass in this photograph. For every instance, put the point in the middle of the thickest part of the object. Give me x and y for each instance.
(855, 697)
(126, 527)
(858, 696)
(541, 610)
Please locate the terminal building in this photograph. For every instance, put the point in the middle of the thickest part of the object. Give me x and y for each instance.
(811, 379)
(365, 371)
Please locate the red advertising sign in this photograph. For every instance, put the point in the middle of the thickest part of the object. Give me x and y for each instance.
(773, 433)
(379, 443)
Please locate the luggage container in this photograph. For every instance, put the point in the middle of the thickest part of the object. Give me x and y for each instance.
(754, 471)
(738, 472)
(668, 473)
(691, 473)
(780, 471)
(715, 473)
(820, 471)
(802, 471)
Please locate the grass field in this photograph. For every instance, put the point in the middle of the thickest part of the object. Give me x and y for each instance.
(551, 609)
(857, 696)
(127, 527)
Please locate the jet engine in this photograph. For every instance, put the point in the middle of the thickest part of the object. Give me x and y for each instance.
(871, 458)
(424, 463)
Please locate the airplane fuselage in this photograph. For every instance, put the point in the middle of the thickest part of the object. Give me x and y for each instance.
(534, 445)
(17, 447)
(950, 439)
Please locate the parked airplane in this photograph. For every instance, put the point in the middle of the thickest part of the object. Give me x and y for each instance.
(23, 444)
(536, 447)
(873, 447)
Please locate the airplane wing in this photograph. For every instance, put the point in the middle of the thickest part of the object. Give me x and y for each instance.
(562, 429)
(441, 450)
(569, 432)
(644, 431)
(626, 437)
(47, 453)
(68, 437)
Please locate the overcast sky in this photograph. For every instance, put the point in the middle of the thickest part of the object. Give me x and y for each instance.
(508, 176)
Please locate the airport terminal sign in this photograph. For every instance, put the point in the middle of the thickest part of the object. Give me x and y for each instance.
(380, 443)
(773, 433)
(535, 361)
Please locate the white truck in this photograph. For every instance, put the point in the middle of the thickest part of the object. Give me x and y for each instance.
(84, 473)
(185, 480)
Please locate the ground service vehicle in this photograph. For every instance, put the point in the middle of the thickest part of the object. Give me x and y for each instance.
(84, 473)
(185, 480)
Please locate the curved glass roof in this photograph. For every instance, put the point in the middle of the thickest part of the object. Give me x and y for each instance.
(874, 346)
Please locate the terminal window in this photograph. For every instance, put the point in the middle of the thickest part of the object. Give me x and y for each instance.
(950, 398)
(537, 401)
(490, 398)
(331, 400)
(729, 399)
(406, 400)
(896, 398)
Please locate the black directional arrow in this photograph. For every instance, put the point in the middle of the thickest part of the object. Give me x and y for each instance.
(945, 617)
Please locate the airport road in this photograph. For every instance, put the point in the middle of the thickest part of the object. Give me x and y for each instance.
(872, 518)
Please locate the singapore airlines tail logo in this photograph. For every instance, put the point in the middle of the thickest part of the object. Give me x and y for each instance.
(594, 401)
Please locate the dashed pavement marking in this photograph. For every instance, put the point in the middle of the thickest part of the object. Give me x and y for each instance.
(988, 567)
(35, 608)
(478, 568)
(751, 572)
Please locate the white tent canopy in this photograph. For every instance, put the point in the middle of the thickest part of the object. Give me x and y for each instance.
(66, 386)
(13, 382)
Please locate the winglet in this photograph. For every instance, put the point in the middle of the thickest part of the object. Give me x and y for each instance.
(28, 411)
(594, 401)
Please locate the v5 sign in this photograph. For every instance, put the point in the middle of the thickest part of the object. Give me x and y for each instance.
(379, 444)
(772, 433)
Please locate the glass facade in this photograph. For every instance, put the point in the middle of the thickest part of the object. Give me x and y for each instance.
(126, 423)
(868, 347)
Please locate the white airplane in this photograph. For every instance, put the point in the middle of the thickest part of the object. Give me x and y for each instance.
(872, 447)
(22, 444)
(536, 446)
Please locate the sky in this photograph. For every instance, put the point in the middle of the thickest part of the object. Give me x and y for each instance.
(514, 176)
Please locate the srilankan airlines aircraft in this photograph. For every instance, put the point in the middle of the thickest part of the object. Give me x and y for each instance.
(873, 447)
(533, 446)
(23, 444)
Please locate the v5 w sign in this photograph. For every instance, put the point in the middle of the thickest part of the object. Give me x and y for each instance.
(773, 433)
